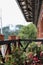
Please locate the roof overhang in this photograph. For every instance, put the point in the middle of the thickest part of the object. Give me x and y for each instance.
(30, 9)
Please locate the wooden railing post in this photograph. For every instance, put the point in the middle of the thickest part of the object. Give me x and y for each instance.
(18, 43)
(1, 37)
(13, 38)
(2, 47)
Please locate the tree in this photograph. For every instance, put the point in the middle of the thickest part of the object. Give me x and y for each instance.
(6, 32)
(28, 32)
(17, 28)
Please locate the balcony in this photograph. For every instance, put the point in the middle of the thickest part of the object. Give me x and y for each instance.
(15, 49)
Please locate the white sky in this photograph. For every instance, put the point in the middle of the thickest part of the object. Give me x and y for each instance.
(11, 14)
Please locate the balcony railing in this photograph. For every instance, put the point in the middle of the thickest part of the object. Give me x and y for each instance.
(19, 42)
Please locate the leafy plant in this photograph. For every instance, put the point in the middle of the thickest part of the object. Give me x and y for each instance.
(17, 58)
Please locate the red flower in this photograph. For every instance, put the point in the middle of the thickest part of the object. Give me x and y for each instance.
(35, 58)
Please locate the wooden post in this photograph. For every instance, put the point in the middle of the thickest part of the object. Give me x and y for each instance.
(2, 49)
(2, 46)
(1, 37)
(13, 44)
(18, 43)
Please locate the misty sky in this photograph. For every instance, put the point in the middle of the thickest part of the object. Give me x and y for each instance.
(11, 13)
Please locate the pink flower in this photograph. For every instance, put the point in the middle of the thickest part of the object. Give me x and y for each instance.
(41, 54)
(35, 58)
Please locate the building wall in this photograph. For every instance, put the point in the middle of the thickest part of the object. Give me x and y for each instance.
(40, 24)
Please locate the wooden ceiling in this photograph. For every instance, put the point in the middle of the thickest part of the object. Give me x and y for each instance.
(30, 9)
